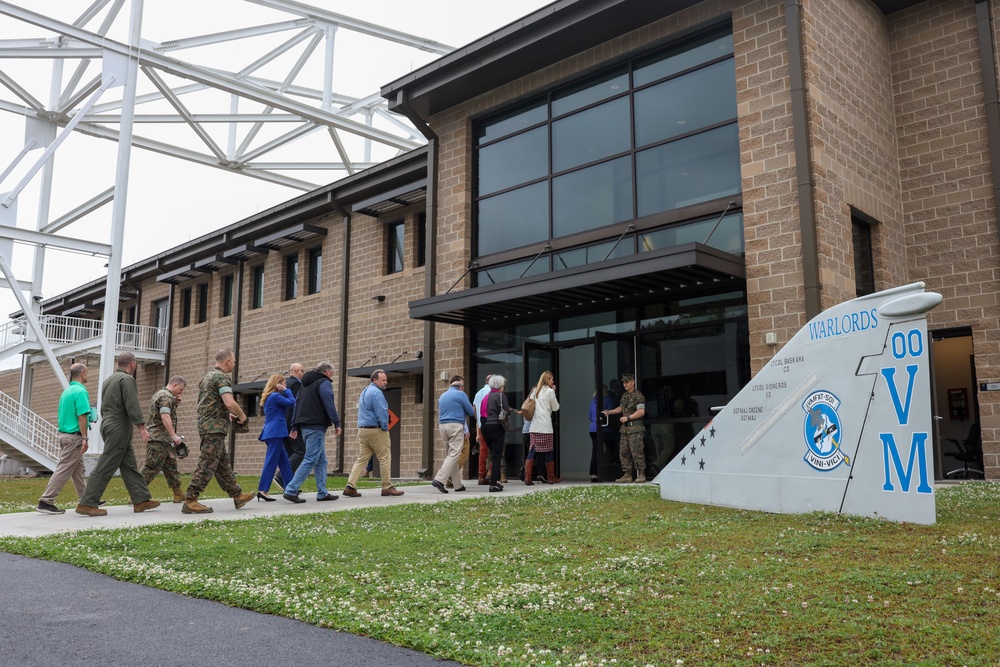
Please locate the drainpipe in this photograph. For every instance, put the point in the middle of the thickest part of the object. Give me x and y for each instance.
(167, 337)
(429, 423)
(987, 63)
(803, 159)
(237, 332)
(345, 295)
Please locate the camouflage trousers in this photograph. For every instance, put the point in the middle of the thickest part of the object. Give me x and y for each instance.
(213, 462)
(160, 456)
(630, 450)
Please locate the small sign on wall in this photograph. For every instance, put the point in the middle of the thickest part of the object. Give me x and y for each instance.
(989, 386)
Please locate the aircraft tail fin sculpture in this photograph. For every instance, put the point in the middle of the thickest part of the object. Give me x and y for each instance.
(838, 421)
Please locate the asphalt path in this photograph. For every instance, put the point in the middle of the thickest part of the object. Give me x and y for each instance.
(59, 614)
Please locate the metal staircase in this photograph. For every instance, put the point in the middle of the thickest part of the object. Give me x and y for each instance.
(24, 436)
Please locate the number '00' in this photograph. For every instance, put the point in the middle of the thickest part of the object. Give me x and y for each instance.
(909, 344)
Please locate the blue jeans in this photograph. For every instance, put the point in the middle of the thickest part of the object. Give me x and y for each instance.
(315, 458)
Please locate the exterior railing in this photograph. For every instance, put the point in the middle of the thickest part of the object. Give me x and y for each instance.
(61, 330)
(28, 427)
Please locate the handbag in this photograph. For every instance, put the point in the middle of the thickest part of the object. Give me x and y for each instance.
(505, 419)
(528, 408)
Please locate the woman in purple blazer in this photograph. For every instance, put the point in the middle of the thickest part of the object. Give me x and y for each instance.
(275, 398)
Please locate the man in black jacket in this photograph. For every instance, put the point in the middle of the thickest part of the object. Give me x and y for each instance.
(294, 445)
(315, 412)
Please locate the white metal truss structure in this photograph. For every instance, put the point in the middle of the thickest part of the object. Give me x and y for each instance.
(251, 119)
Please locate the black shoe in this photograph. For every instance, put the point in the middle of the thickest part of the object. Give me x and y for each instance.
(495, 488)
(48, 508)
(102, 502)
(461, 488)
(266, 498)
(329, 496)
(439, 486)
(293, 498)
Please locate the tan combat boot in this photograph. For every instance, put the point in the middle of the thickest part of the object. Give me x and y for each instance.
(243, 498)
(87, 510)
(640, 477)
(194, 507)
(178, 494)
(145, 505)
(626, 478)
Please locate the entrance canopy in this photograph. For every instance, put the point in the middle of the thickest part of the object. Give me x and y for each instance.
(623, 281)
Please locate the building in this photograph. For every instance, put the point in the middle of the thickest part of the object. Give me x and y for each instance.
(665, 187)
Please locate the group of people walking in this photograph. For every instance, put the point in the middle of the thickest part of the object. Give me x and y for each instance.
(298, 411)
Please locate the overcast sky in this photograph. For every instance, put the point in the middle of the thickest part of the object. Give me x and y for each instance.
(171, 201)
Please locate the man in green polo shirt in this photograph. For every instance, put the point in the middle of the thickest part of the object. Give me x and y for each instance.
(74, 414)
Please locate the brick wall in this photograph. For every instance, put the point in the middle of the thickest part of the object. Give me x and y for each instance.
(950, 216)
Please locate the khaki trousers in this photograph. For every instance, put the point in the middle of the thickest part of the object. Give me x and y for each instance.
(70, 467)
(373, 441)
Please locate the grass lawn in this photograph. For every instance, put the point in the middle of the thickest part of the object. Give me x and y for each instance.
(599, 575)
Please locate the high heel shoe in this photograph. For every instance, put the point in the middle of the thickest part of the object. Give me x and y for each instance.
(266, 498)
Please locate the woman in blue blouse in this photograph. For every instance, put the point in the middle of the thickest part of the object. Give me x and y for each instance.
(274, 400)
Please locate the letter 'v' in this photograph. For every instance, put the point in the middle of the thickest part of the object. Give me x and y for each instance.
(902, 410)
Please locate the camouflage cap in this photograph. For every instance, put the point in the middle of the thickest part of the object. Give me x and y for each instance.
(627, 377)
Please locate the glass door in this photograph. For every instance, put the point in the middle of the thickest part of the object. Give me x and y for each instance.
(614, 355)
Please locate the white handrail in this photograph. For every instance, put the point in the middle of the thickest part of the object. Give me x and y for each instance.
(28, 427)
(62, 330)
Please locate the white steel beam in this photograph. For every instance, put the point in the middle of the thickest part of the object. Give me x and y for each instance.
(80, 211)
(54, 241)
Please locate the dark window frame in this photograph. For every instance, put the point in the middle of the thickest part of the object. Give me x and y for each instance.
(482, 125)
(395, 247)
(863, 250)
(257, 287)
(291, 274)
(160, 306)
(185, 314)
(315, 280)
(202, 315)
(227, 289)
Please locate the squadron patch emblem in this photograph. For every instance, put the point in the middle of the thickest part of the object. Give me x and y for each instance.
(822, 431)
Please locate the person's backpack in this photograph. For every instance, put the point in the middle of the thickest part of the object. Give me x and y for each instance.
(528, 408)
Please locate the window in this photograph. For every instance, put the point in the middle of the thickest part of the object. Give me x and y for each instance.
(315, 270)
(186, 307)
(291, 277)
(864, 265)
(394, 246)
(160, 310)
(257, 285)
(202, 302)
(422, 239)
(227, 295)
(656, 135)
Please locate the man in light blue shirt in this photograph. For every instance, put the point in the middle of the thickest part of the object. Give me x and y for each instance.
(373, 436)
(453, 409)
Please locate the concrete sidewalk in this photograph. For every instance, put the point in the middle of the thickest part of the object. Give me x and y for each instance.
(33, 524)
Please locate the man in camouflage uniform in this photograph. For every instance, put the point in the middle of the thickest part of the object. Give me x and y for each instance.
(120, 413)
(216, 408)
(630, 449)
(162, 425)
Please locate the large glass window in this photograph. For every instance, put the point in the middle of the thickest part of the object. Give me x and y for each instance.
(513, 219)
(592, 197)
(202, 302)
(650, 137)
(519, 159)
(689, 171)
(186, 307)
(590, 135)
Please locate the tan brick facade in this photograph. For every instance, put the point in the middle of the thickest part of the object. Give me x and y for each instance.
(897, 132)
